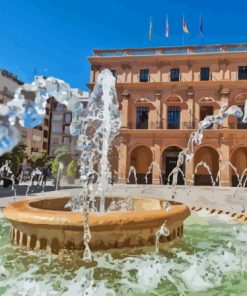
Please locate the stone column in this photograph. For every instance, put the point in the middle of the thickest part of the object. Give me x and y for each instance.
(224, 102)
(189, 167)
(48, 246)
(28, 241)
(21, 239)
(164, 115)
(37, 246)
(155, 169)
(191, 111)
(124, 108)
(122, 163)
(15, 237)
(158, 95)
(225, 174)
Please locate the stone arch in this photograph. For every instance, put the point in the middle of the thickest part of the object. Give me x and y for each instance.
(239, 160)
(205, 100)
(70, 245)
(240, 98)
(174, 99)
(141, 157)
(24, 240)
(169, 162)
(55, 245)
(210, 156)
(33, 241)
(43, 243)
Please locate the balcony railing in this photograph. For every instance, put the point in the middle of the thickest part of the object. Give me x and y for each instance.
(163, 125)
(178, 50)
(186, 125)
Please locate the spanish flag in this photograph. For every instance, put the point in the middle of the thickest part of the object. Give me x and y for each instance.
(185, 28)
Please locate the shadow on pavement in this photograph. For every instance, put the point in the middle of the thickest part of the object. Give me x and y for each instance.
(22, 189)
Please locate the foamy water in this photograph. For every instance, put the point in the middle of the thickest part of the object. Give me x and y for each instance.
(211, 259)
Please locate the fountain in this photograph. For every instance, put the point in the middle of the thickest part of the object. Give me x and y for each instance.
(83, 220)
(149, 172)
(132, 170)
(205, 259)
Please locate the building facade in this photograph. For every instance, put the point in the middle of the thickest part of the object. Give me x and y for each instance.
(35, 139)
(60, 120)
(164, 93)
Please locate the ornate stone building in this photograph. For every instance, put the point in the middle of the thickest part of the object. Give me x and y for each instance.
(164, 93)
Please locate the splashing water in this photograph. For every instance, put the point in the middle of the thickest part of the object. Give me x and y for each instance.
(59, 173)
(228, 164)
(218, 259)
(149, 172)
(6, 172)
(163, 231)
(132, 170)
(197, 136)
(95, 125)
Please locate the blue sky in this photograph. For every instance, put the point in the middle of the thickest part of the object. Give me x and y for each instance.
(56, 37)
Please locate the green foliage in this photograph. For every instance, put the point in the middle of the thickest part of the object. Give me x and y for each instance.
(54, 167)
(71, 169)
(63, 155)
(38, 160)
(15, 157)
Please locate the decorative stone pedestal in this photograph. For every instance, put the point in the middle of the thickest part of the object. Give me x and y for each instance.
(44, 224)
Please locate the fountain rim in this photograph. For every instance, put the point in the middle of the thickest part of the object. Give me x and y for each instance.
(23, 212)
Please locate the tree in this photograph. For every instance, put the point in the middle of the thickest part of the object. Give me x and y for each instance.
(15, 158)
(38, 160)
(71, 169)
(54, 167)
(63, 155)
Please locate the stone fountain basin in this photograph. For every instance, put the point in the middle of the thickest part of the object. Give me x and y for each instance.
(46, 224)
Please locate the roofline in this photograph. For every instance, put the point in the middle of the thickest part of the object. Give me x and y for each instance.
(234, 45)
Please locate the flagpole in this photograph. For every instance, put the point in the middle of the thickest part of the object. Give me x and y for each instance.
(183, 29)
(150, 31)
(200, 36)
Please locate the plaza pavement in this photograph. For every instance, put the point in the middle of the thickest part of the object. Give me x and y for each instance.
(230, 199)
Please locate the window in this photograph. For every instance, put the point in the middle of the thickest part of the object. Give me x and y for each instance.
(242, 72)
(142, 117)
(59, 107)
(66, 129)
(46, 122)
(45, 145)
(57, 117)
(204, 74)
(206, 111)
(67, 117)
(57, 128)
(144, 75)
(114, 73)
(240, 123)
(66, 140)
(55, 141)
(173, 117)
(174, 73)
(45, 134)
(39, 127)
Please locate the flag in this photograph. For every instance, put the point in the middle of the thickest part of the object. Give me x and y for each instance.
(167, 27)
(200, 26)
(150, 29)
(185, 29)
